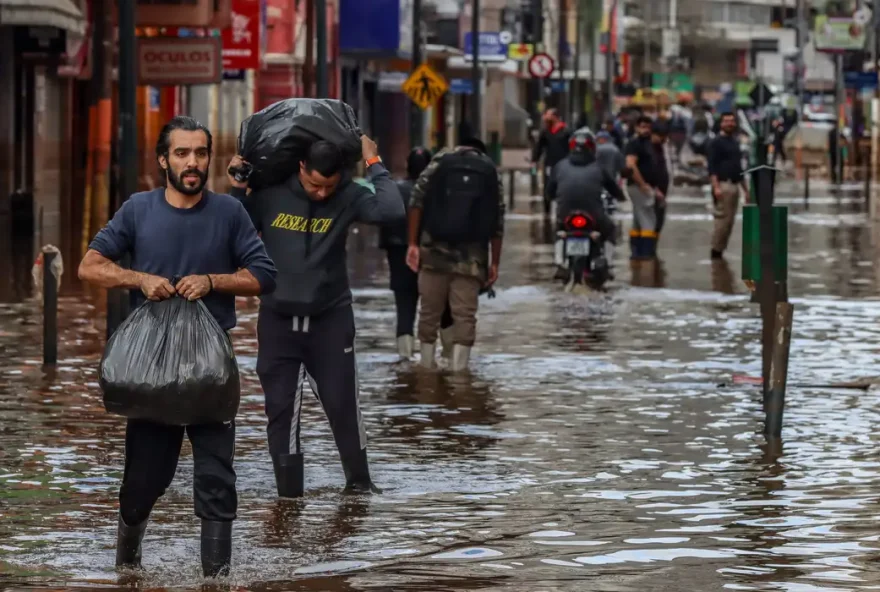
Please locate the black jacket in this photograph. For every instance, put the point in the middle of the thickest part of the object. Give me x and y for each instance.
(577, 184)
(397, 235)
(552, 145)
(306, 239)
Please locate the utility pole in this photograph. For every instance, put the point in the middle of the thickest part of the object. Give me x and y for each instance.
(609, 60)
(416, 118)
(309, 65)
(591, 39)
(800, 70)
(322, 90)
(476, 107)
(117, 300)
(537, 41)
(575, 106)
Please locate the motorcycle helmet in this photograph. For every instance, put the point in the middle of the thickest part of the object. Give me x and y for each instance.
(582, 141)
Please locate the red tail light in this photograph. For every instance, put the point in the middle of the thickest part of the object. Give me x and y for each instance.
(578, 221)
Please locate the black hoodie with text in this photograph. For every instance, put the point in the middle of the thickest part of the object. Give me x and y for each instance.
(307, 238)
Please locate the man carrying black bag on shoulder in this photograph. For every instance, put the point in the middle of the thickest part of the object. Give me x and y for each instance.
(306, 328)
(208, 240)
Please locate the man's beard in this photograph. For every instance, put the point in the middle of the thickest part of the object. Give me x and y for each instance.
(176, 181)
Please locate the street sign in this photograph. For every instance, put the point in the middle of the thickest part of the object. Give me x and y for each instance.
(425, 86)
(492, 49)
(461, 86)
(759, 98)
(541, 65)
(860, 80)
(671, 43)
(169, 61)
(520, 52)
(764, 45)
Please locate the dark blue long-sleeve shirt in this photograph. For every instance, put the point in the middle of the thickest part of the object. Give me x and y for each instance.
(215, 236)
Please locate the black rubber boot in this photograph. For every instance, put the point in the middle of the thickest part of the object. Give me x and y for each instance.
(357, 474)
(289, 478)
(216, 548)
(128, 544)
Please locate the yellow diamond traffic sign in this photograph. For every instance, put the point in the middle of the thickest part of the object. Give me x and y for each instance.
(520, 51)
(425, 86)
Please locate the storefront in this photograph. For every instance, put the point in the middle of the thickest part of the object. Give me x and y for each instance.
(35, 105)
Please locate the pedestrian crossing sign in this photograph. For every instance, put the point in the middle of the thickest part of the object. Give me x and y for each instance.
(425, 86)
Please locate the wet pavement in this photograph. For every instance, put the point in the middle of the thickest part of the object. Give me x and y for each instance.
(599, 444)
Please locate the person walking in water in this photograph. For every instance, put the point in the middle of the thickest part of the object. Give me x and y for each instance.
(456, 227)
(404, 281)
(726, 176)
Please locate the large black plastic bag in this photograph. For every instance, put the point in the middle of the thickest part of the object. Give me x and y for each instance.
(274, 140)
(170, 362)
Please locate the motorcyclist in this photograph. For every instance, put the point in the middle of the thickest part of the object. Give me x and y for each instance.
(577, 183)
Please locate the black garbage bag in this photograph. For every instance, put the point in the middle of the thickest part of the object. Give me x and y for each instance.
(274, 140)
(170, 362)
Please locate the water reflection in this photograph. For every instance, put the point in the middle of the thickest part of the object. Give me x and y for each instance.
(590, 448)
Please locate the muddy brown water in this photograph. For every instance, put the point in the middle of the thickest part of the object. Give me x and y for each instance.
(598, 444)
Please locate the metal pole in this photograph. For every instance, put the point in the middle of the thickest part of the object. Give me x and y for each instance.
(416, 117)
(117, 300)
(774, 398)
(50, 311)
(574, 104)
(801, 43)
(609, 61)
(537, 40)
(475, 69)
(838, 104)
(591, 39)
(321, 82)
(767, 291)
(806, 188)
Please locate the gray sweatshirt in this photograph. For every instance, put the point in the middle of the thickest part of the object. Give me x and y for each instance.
(306, 239)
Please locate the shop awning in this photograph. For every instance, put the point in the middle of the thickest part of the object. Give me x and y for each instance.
(60, 14)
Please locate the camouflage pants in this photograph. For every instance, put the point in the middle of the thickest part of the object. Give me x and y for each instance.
(462, 292)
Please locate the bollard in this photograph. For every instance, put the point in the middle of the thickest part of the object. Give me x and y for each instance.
(50, 310)
(511, 189)
(807, 187)
(774, 396)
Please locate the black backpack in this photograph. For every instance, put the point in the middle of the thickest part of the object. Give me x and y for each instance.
(462, 200)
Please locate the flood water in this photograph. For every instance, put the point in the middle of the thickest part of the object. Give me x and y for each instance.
(600, 443)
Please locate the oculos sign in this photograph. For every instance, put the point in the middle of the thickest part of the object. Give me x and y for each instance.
(172, 61)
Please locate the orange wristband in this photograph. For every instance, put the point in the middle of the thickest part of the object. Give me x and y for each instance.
(371, 161)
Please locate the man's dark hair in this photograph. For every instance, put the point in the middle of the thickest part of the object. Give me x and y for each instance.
(476, 143)
(185, 123)
(644, 119)
(417, 161)
(727, 114)
(552, 111)
(660, 128)
(325, 158)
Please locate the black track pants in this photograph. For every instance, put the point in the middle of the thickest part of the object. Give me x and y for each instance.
(151, 454)
(321, 350)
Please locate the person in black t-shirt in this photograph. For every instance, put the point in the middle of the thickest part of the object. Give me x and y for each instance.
(726, 176)
(643, 190)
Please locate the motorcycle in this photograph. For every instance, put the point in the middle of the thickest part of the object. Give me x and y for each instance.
(584, 251)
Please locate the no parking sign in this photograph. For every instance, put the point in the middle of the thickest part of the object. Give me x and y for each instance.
(541, 65)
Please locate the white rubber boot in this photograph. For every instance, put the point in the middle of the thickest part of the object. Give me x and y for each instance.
(405, 345)
(461, 356)
(428, 351)
(559, 252)
(446, 342)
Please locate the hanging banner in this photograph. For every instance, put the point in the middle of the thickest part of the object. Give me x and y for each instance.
(241, 40)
